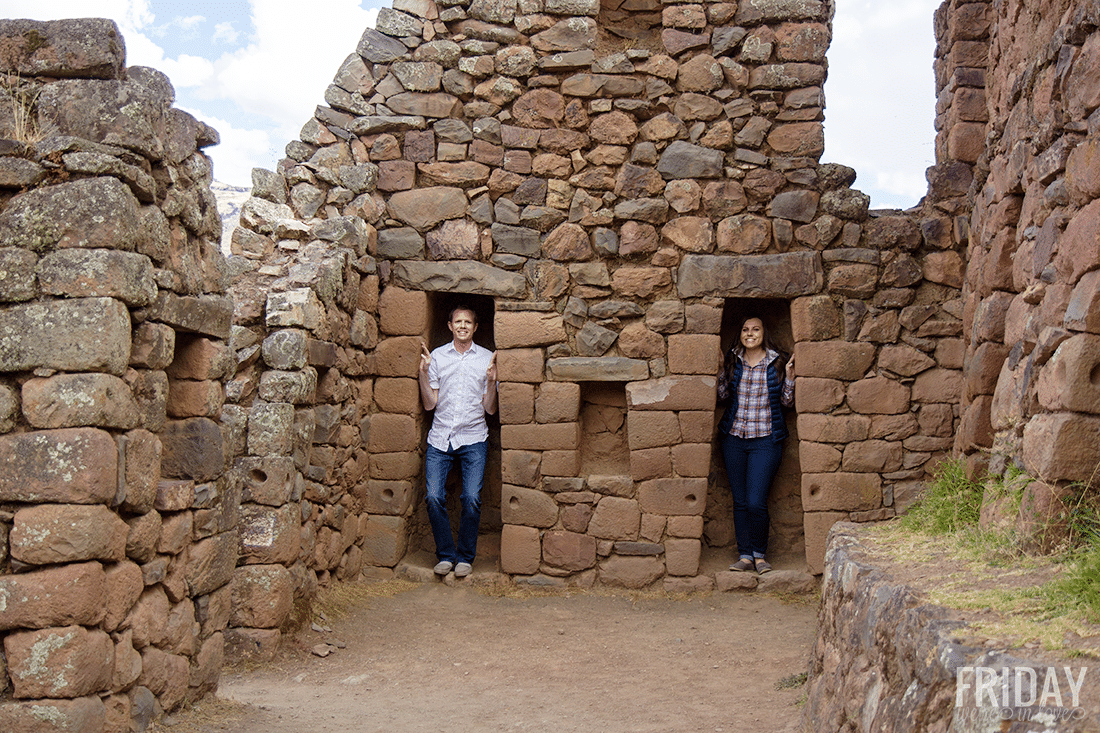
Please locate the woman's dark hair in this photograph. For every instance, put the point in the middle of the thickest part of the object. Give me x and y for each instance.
(769, 343)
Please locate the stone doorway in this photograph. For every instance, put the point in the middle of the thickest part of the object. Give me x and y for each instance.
(440, 305)
(785, 501)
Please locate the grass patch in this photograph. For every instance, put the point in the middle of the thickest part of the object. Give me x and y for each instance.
(1011, 595)
(792, 681)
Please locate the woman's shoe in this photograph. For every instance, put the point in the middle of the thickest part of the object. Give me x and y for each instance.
(742, 565)
(762, 565)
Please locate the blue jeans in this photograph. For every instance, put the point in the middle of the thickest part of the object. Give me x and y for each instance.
(437, 464)
(751, 464)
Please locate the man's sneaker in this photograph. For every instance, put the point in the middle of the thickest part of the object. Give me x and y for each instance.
(463, 569)
(443, 567)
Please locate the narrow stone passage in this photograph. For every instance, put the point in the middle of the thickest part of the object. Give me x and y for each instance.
(452, 658)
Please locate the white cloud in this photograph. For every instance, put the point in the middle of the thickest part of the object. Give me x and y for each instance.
(285, 69)
(239, 152)
(225, 33)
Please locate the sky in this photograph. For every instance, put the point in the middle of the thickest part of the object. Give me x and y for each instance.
(256, 69)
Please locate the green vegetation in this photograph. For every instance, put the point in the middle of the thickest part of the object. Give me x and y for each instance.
(1043, 570)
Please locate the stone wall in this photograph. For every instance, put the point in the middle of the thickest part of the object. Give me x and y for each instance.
(609, 187)
(1031, 393)
(885, 659)
(117, 520)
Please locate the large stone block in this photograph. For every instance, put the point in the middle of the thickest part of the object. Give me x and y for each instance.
(696, 426)
(878, 396)
(520, 365)
(398, 356)
(89, 213)
(192, 449)
(1069, 381)
(596, 369)
(558, 402)
(816, 526)
(783, 275)
(616, 518)
(389, 497)
(818, 395)
(516, 329)
(385, 540)
(872, 456)
(211, 315)
(569, 550)
(520, 550)
(833, 428)
(83, 273)
(631, 571)
(263, 596)
(814, 318)
(270, 429)
(269, 534)
(649, 429)
(47, 716)
(166, 675)
(694, 353)
(78, 335)
(682, 556)
(56, 533)
(399, 395)
(520, 468)
(691, 459)
(70, 466)
(527, 507)
(63, 662)
(1061, 446)
(841, 491)
(460, 277)
(60, 596)
(937, 385)
(516, 403)
(266, 480)
(393, 433)
(673, 496)
(833, 359)
(211, 563)
(550, 436)
(188, 398)
(403, 312)
(650, 463)
(560, 462)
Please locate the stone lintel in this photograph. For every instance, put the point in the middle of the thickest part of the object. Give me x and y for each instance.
(596, 369)
(786, 275)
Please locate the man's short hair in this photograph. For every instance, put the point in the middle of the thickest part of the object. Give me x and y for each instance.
(462, 307)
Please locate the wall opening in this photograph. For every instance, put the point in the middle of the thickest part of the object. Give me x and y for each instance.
(604, 448)
(440, 305)
(786, 538)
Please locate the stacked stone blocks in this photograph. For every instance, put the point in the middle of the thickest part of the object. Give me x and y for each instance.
(118, 523)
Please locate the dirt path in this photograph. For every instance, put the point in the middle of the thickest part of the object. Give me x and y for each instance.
(452, 658)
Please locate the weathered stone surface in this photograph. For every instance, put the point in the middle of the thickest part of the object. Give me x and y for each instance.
(72, 466)
(92, 213)
(833, 359)
(211, 315)
(424, 208)
(530, 328)
(66, 662)
(631, 572)
(569, 550)
(70, 716)
(269, 535)
(71, 400)
(84, 334)
(211, 563)
(841, 491)
(1061, 446)
(67, 594)
(57, 533)
(756, 276)
(263, 596)
(596, 369)
(192, 448)
(520, 550)
(528, 507)
(673, 496)
(684, 160)
(460, 277)
(615, 519)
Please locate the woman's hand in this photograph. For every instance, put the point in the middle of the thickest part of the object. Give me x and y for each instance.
(790, 367)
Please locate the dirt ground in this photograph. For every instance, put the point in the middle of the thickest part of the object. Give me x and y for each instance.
(437, 657)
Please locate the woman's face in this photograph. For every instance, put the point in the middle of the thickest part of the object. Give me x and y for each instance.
(752, 334)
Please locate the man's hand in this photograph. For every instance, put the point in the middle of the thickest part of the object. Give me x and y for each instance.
(491, 372)
(426, 358)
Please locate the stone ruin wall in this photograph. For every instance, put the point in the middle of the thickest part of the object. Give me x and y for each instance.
(1031, 391)
(118, 517)
(606, 185)
(606, 212)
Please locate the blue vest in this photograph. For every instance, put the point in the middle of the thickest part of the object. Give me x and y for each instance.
(775, 392)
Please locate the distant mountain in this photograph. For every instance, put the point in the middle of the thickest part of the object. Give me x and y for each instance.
(230, 200)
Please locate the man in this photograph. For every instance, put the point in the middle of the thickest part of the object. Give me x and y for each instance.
(459, 381)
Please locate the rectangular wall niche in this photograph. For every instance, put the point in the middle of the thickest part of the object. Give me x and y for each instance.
(785, 499)
(604, 448)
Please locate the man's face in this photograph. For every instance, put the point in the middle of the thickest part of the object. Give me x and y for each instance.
(462, 326)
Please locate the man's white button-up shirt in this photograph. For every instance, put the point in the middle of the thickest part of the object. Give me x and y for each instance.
(459, 412)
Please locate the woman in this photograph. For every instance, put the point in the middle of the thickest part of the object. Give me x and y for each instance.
(759, 384)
